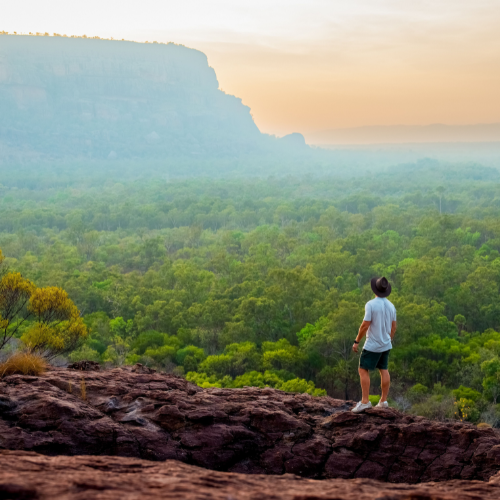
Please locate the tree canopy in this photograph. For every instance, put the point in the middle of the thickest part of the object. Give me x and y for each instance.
(247, 281)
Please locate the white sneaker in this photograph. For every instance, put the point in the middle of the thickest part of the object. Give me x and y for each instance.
(382, 404)
(361, 407)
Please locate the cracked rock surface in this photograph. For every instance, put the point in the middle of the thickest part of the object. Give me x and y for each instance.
(134, 412)
(26, 476)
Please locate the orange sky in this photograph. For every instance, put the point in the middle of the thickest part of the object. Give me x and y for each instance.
(316, 64)
(308, 92)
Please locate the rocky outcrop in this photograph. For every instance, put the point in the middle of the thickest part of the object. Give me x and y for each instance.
(132, 413)
(30, 476)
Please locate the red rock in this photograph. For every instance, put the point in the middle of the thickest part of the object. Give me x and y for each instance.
(132, 412)
(25, 475)
(169, 417)
(343, 463)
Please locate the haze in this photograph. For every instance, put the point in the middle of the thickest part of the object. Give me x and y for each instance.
(315, 65)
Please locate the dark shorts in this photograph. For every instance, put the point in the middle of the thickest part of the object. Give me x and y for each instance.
(374, 360)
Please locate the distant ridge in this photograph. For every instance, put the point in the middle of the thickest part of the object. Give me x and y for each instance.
(91, 98)
(435, 133)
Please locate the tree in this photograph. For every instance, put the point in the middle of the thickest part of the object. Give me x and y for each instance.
(190, 357)
(15, 293)
(51, 321)
(117, 351)
(58, 327)
(333, 342)
(440, 190)
(491, 382)
(460, 321)
(88, 244)
(236, 360)
(282, 356)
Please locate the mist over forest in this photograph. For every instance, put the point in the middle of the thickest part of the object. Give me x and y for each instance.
(194, 244)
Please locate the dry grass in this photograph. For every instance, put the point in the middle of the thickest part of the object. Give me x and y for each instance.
(23, 363)
(484, 425)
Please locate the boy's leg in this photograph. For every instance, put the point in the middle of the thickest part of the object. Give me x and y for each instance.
(385, 382)
(364, 376)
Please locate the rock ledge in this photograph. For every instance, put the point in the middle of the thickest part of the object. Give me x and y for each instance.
(25, 475)
(153, 416)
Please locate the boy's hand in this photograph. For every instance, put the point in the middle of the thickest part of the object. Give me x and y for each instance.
(355, 347)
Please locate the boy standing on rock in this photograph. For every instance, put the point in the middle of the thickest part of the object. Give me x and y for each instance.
(379, 326)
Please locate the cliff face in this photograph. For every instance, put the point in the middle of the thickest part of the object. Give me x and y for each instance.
(65, 97)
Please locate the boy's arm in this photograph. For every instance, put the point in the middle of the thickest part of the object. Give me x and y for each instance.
(362, 332)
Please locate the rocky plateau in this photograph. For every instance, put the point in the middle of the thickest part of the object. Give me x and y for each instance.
(124, 432)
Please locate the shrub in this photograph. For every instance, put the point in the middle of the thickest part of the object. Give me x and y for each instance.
(435, 407)
(417, 393)
(301, 386)
(23, 363)
(258, 379)
(149, 339)
(243, 357)
(466, 393)
(196, 355)
(203, 380)
(117, 352)
(190, 364)
(132, 359)
(85, 353)
(483, 425)
(161, 354)
(217, 365)
(465, 410)
(491, 416)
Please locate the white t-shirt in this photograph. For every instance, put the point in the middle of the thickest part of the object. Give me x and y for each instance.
(381, 312)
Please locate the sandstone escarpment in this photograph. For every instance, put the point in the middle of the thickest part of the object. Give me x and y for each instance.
(259, 431)
(25, 475)
(69, 97)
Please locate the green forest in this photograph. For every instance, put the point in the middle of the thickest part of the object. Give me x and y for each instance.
(236, 281)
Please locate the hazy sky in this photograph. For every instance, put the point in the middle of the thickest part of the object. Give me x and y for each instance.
(313, 64)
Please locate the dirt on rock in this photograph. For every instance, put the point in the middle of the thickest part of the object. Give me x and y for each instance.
(128, 412)
(26, 476)
(85, 366)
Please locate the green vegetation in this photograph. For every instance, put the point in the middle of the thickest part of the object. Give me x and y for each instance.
(244, 281)
(45, 33)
